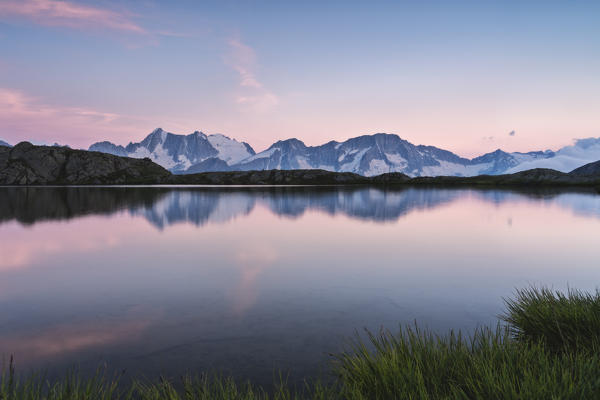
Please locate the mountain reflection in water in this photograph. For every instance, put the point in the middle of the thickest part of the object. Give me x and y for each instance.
(164, 206)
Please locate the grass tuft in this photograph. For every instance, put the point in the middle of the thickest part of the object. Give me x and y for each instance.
(71, 387)
(564, 322)
(415, 364)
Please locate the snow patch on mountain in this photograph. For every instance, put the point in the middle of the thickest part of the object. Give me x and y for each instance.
(377, 167)
(396, 159)
(303, 163)
(355, 157)
(447, 168)
(262, 154)
(231, 151)
(140, 152)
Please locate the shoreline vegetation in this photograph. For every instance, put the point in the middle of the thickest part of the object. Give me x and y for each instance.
(27, 164)
(547, 347)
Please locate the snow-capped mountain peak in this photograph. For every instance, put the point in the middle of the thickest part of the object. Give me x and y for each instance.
(179, 152)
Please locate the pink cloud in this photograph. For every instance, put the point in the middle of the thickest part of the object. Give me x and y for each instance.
(252, 95)
(68, 14)
(19, 104)
(23, 117)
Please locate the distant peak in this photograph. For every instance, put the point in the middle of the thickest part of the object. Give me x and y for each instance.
(23, 145)
(379, 134)
(158, 132)
(292, 142)
(499, 151)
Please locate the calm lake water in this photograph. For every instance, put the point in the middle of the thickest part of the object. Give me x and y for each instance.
(250, 280)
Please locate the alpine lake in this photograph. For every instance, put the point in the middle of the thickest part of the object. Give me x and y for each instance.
(252, 282)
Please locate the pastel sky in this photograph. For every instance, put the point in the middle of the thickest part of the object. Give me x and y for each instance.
(468, 76)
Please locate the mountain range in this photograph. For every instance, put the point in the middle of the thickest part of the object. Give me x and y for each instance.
(367, 155)
(28, 164)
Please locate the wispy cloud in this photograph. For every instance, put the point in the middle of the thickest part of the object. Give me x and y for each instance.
(23, 117)
(243, 60)
(69, 14)
(17, 104)
(252, 94)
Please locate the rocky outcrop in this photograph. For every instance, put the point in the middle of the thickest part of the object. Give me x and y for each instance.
(26, 164)
(587, 170)
(391, 178)
(532, 177)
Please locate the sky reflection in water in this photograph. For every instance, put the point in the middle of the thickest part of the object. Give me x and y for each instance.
(245, 281)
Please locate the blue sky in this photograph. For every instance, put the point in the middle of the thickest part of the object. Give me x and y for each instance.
(459, 75)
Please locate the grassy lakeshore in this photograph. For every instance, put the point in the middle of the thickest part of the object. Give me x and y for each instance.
(547, 349)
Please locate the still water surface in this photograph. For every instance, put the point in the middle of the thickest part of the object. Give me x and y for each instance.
(250, 280)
